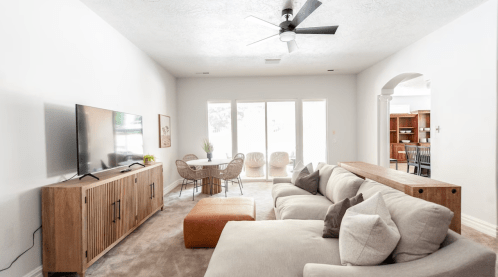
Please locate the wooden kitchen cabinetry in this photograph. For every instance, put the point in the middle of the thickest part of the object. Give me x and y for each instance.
(412, 122)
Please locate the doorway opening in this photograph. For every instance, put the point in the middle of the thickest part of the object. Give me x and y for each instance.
(404, 124)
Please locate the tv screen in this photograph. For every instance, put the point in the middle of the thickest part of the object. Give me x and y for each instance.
(107, 139)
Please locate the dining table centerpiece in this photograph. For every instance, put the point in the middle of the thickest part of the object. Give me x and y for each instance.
(208, 147)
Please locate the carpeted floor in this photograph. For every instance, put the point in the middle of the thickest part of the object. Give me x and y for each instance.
(157, 249)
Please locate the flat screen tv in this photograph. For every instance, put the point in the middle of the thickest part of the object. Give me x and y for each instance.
(107, 139)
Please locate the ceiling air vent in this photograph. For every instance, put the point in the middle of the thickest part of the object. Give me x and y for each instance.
(272, 61)
(202, 73)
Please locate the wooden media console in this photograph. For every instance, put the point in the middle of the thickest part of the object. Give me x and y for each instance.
(83, 219)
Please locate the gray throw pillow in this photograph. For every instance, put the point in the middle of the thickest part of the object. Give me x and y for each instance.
(308, 182)
(335, 214)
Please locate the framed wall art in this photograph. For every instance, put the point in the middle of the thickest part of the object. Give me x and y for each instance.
(164, 131)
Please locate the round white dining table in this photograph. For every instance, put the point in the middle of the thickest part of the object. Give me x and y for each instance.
(205, 162)
(214, 163)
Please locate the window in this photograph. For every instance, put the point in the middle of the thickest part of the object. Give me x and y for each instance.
(220, 129)
(314, 131)
(267, 134)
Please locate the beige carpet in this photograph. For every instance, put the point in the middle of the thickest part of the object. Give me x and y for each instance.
(157, 249)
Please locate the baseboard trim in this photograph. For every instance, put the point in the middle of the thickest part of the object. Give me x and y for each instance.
(37, 272)
(479, 225)
(171, 186)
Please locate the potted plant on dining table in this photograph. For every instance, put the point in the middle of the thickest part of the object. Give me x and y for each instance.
(208, 147)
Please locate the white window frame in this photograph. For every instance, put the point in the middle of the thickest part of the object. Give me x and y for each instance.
(298, 103)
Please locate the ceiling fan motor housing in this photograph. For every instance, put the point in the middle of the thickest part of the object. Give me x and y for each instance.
(287, 14)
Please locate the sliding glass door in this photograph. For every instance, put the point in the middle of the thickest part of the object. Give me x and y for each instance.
(251, 138)
(267, 132)
(281, 137)
(266, 135)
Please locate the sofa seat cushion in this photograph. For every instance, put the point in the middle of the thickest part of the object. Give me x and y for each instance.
(271, 248)
(286, 189)
(312, 207)
(423, 225)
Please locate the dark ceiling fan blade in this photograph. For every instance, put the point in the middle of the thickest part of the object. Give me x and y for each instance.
(292, 46)
(262, 39)
(262, 22)
(329, 30)
(309, 7)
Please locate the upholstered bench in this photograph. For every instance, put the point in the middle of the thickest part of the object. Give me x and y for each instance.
(203, 225)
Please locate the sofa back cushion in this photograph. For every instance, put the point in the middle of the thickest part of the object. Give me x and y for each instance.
(320, 165)
(423, 225)
(325, 171)
(342, 184)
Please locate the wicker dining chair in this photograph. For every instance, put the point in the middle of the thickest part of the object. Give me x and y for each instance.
(424, 159)
(243, 157)
(191, 157)
(230, 173)
(189, 174)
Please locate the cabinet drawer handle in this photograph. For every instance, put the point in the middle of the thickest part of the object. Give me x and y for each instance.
(119, 209)
(114, 210)
(151, 191)
(154, 190)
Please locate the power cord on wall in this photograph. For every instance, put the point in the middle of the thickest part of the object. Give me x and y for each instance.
(70, 178)
(39, 228)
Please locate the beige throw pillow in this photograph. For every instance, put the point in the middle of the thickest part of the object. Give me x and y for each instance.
(367, 235)
(297, 170)
(342, 184)
(423, 225)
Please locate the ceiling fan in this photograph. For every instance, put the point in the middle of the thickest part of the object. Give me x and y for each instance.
(287, 30)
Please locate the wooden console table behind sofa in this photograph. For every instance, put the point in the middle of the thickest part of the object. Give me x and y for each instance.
(438, 192)
(83, 219)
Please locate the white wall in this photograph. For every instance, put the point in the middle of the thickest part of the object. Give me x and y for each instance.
(339, 90)
(416, 102)
(54, 54)
(460, 60)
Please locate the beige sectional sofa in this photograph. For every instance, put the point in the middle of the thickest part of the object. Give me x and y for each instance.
(293, 245)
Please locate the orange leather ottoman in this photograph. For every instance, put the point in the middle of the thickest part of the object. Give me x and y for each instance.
(203, 225)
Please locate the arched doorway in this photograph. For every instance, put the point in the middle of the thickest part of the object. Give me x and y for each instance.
(383, 125)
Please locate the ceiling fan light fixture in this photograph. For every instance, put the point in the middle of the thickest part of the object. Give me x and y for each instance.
(287, 36)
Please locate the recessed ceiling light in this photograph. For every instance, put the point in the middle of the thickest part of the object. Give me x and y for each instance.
(272, 61)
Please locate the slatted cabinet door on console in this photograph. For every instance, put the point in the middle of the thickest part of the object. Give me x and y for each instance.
(83, 219)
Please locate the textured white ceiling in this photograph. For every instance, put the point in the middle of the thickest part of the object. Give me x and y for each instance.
(189, 36)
